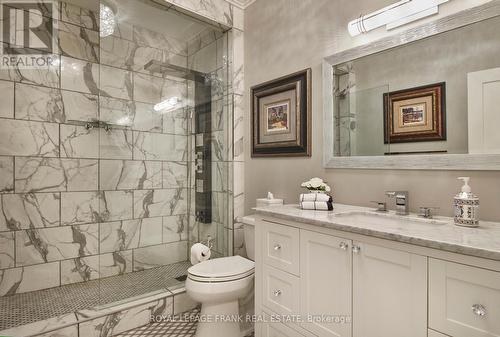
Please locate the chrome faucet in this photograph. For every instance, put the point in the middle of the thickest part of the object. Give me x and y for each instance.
(402, 204)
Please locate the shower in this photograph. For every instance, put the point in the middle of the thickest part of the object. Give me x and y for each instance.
(123, 166)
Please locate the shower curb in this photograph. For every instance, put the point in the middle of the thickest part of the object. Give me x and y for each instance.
(105, 321)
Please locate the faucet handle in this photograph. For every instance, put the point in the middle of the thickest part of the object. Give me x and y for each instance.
(381, 206)
(390, 194)
(426, 212)
(397, 194)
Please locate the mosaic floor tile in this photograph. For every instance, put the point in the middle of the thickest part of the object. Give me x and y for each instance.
(34, 306)
(173, 328)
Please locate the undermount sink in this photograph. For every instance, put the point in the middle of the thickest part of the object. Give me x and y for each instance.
(384, 219)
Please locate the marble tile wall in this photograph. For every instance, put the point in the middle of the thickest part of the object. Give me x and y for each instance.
(78, 204)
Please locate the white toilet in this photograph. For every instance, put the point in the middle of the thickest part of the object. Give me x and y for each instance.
(218, 284)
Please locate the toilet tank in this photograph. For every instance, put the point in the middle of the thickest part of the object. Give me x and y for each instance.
(249, 234)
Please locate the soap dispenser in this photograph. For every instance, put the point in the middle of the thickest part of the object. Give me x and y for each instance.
(466, 206)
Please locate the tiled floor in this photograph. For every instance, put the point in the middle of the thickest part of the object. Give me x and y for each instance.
(26, 308)
(174, 328)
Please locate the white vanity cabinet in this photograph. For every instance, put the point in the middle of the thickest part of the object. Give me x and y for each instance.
(343, 288)
(389, 292)
(326, 282)
(354, 285)
(464, 301)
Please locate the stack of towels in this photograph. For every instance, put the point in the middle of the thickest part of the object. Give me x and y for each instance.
(316, 201)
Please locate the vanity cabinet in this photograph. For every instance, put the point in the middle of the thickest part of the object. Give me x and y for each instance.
(343, 288)
(353, 285)
(282, 247)
(464, 301)
(433, 333)
(389, 292)
(280, 291)
(325, 276)
(277, 330)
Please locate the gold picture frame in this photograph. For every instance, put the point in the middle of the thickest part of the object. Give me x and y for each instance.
(415, 115)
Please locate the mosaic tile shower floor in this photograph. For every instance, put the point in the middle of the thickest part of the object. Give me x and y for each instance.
(174, 328)
(30, 307)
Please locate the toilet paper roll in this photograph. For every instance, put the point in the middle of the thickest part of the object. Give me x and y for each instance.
(199, 253)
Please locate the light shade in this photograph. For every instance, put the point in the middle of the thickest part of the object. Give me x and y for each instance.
(395, 15)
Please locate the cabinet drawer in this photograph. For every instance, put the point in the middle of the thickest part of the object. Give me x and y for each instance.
(433, 333)
(282, 247)
(280, 291)
(464, 301)
(270, 329)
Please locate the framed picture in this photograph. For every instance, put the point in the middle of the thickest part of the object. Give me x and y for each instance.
(415, 115)
(281, 111)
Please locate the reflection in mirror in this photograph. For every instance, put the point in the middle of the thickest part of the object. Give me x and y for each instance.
(422, 97)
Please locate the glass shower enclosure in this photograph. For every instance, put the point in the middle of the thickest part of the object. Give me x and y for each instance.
(115, 159)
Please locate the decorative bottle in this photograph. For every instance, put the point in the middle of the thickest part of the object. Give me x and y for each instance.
(466, 206)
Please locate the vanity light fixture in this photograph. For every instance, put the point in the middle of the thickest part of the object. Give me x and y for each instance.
(167, 105)
(395, 15)
(107, 19)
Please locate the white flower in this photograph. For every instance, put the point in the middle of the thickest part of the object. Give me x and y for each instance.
(316, 182)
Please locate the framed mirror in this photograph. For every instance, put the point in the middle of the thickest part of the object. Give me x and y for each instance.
(427, 98)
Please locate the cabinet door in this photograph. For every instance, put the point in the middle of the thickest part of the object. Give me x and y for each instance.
(325, 273)
(464, 301)
(389, 292)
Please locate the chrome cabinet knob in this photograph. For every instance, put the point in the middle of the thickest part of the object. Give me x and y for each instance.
(277, 293)
(343, 245)
(277, 247)
(479, 310)
(356, 249)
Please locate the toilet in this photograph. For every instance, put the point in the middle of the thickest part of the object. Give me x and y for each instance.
(218, 284)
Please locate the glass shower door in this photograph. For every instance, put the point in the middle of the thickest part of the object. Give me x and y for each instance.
(162, 81)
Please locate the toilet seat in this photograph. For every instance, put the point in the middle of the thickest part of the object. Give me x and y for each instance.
(224, 269)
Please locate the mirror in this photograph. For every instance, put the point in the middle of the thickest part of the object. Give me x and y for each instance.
(435, 99)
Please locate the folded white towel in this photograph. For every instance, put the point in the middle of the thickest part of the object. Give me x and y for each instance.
(317, 205)
(314, 197)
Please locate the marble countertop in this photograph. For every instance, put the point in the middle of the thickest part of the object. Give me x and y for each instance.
(441, 234)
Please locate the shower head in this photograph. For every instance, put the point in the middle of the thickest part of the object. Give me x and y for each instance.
(166, 68)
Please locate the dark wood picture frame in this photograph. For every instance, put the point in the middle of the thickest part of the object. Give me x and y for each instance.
(436, 124)
(296, 89)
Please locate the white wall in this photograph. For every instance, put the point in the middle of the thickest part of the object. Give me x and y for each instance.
(283, 36)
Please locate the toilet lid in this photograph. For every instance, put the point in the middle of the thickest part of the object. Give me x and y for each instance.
(222, 267)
